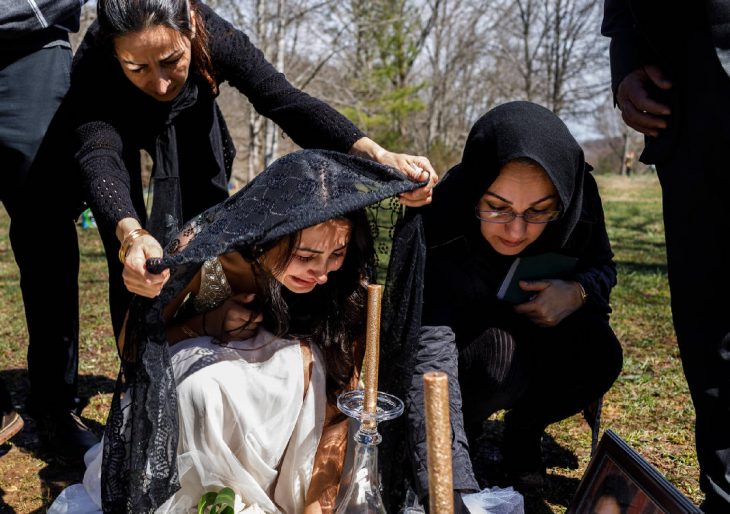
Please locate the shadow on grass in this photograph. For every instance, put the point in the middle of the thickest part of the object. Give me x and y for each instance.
(489, 469)
(641, 268)
(58, 473)
(633, 221)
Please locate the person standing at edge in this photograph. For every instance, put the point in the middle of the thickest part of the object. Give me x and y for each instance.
(670, 67)
(147, 77)
(35, 57)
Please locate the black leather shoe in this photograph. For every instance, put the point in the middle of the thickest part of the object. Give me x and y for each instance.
(522, 457)
(72, 437)
(63, 432)
(10, 424)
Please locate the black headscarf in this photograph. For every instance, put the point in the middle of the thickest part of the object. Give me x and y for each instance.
(508, 132)
(297, 191)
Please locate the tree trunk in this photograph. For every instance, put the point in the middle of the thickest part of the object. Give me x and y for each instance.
(625, 153)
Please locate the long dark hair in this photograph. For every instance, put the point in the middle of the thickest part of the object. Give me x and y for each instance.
(121, 17)
(332, 316)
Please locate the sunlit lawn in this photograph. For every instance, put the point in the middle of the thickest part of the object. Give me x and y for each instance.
(649, 405)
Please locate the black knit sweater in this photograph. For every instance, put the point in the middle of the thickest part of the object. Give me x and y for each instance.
(113, 121)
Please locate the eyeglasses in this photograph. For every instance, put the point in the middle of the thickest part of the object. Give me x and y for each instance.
(505, 217)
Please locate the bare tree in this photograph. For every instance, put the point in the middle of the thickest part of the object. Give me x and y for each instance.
(622, 144)
(550, 52)
(88, 15)
(482, 53)
(276, 27)
(451, 68)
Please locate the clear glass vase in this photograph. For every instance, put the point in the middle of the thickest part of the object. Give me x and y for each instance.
(363, 485)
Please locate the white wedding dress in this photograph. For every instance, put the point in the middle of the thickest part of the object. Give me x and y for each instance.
(245, 423)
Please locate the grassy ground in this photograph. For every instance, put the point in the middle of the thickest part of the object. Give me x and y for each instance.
(649, 405)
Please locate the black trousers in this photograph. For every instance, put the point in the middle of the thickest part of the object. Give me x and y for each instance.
(695, 181)
(543, 375)
(32, 86)
(6, 404)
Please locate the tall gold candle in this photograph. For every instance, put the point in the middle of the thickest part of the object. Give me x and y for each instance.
(372, 349)
(438, 437)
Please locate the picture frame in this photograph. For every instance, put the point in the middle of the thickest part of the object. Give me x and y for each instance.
(619, 481)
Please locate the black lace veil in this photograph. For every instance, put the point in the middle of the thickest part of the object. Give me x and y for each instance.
(299, 190)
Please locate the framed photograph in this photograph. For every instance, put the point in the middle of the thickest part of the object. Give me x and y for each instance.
(619, 481)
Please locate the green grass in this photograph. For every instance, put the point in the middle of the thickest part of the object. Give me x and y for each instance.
(649, 405)
(29, 477)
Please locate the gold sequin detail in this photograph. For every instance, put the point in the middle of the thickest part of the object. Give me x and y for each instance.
(214, 287)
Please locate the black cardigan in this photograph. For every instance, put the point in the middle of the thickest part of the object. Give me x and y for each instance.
(113, 120)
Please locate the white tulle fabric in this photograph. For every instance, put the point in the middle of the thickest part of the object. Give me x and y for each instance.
(245, 423)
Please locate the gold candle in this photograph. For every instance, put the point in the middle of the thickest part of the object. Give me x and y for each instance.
(372, 350)
(438, 437)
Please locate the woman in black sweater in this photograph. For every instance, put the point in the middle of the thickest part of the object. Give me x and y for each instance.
(522, 189)
(146, 77)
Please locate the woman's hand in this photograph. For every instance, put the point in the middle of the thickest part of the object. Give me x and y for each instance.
(135, 275)
(417, 168)
(554, 300)
(234, 320)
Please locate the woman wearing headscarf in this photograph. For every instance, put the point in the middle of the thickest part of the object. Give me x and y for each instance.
(207, 398)
(146, 77)
(522, 189)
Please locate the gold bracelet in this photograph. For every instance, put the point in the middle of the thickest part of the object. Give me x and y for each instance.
(189, 332)
(583, 294)
(127, 242)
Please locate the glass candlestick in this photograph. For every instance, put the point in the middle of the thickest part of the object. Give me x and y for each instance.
(363, 484)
